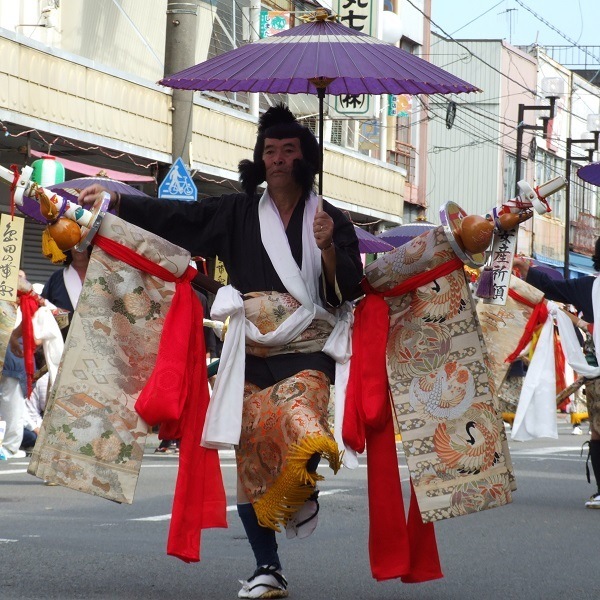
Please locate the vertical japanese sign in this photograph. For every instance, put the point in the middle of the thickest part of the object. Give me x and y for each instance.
(11, 240)
(273, 21)
(220, 272)
(360, 15)
(503, 252)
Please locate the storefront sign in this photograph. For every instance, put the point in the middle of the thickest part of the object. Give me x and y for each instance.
(360, 15)
(273, 21)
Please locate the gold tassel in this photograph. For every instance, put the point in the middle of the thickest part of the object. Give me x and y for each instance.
(50, 249)
(295, 484)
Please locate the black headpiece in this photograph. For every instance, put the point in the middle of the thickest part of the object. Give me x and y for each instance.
(279, 123)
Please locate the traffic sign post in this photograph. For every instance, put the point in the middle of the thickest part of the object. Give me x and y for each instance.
(178, 184)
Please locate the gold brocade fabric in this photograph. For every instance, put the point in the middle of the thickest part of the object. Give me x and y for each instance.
(268, 310)
(282, 427)
(509, 393)
(592, 389)
(503, 326)
(92, 439)
(442, 390)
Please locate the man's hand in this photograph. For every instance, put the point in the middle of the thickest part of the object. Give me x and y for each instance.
(91, 194)
(522, 264)
(323, 230)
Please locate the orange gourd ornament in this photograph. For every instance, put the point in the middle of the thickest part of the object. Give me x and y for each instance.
(65, 232)
(476, 233)
(509, 221)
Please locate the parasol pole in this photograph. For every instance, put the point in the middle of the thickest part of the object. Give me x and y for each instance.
(321, 93)
(321, 84)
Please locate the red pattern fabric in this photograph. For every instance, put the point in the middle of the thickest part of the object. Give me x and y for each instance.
(538, 317)
(28, 306)
(176, 396)
(397, 547)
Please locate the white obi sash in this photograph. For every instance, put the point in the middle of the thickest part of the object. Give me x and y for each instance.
(570, 343)
(224, 417)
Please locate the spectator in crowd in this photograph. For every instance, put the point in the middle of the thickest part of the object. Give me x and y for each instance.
(35, 405)
(577, 292)
(13, 386)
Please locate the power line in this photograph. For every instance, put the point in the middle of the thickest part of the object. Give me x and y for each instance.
(563, 35)
(473, 20)
(534, 92)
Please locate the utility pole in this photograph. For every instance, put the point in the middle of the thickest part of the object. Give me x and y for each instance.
(420, 177)
(180, 53)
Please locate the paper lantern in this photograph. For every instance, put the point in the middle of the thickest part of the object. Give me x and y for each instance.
(47, 171)
(391, 27)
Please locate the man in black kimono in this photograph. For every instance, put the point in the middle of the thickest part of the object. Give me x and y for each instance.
(287, 257)
(578, 293)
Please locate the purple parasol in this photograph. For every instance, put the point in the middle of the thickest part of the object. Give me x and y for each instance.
(590, 173)
(552, 272)
(402, 234)
(319, 57)
(369, 243)
(298, 60)
(70, 190)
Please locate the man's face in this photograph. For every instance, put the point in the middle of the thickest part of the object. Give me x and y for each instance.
(279, 157)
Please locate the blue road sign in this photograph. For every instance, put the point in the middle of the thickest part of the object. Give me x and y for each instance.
(178, 184)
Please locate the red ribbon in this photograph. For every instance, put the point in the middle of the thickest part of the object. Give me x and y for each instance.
(397, 547)
(176, 396)
(537, 317)
(559, 364)
(29, 306)
(517, 297)
(13, 187)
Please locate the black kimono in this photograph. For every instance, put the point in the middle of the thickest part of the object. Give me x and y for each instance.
(228, 227)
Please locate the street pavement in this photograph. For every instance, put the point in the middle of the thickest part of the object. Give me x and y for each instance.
(58, 544)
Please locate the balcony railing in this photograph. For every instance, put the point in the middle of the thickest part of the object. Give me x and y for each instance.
(585, 230)
(404, 156)
(576, 58)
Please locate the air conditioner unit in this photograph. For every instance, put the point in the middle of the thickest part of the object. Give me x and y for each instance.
(303, 104)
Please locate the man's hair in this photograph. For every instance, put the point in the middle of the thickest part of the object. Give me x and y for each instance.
(596, 256)
(69, 255)
(279, 123)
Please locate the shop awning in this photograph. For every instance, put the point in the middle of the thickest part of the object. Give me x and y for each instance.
(581, 263)
(92, 170)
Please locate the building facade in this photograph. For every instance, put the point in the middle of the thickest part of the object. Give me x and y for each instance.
(472, 155)
(79, 81)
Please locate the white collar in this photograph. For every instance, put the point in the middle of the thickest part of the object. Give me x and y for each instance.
(301, 284)
(73, 285)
